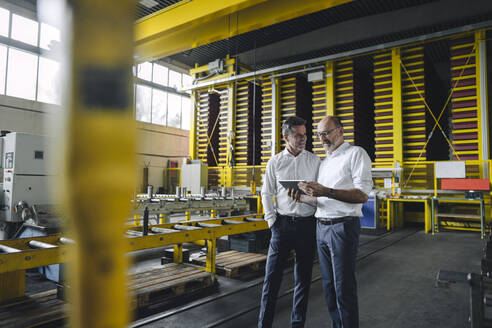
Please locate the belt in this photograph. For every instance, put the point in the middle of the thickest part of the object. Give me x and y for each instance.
(335, 220)
(295, 218)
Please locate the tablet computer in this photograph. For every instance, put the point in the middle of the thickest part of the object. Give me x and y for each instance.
(291, 184)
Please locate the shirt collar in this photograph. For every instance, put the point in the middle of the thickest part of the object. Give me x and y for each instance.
(286, 152)
(340, 149)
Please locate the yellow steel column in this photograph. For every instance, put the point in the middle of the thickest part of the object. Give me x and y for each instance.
(330, 89)
(482, 113)
(100, 159)
(210, 263)
(178, 253)
(397, 105)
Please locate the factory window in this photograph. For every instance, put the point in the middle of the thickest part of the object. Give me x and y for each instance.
(174, 79)
(159, 107)
(159, 75)
(185, 112)
(49, 88)
(144, 71)
(3, 68)
(4, 22)
(25, 30)
(174, 111)
(162, 106)
(187, 81)
(21, 76)
(23, 73)
(49, 36)
(143, 103)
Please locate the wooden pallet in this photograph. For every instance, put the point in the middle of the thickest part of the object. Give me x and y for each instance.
(145, 288)
(42, 309)
(167, 282)
(233, 263)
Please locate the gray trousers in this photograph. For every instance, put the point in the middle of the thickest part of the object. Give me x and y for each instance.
(337, 251)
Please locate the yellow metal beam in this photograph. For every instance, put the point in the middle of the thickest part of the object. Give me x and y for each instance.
(330, 88)
(185, 14)
(29, 258)
(191, 36)
(481, 51)
(397, 105)
(276, 108)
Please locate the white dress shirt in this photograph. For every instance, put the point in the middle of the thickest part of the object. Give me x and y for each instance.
(285, 166)
(347, 167)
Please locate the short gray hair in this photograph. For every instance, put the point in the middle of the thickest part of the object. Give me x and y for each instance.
(290, 123)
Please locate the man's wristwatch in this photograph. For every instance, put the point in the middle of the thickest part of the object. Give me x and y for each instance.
(331, 192)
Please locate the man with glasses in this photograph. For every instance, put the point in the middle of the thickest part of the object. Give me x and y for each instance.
(292, 224)
(344, 182)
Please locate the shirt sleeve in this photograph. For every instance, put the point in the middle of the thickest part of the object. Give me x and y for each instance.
(361, 171)
(318, 163)
(268, 191)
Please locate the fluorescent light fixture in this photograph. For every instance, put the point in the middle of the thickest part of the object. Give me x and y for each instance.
(315, 76)
(149, 3)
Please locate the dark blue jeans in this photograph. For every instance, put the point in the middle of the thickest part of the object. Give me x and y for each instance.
(287, 235)
(337, 252)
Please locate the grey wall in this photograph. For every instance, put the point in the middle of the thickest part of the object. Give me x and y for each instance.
(156, 144)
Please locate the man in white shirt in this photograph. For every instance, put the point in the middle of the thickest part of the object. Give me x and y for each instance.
(344, 182)
(292, 223)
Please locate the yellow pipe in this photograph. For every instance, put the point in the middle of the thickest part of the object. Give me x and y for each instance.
(330, 89)
(100, 159)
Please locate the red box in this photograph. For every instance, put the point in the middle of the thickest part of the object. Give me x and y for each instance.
(465, 184)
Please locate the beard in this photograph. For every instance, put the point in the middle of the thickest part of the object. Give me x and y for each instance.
(329, 148)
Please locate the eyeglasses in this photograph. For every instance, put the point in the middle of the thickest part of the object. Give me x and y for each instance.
(326, 133)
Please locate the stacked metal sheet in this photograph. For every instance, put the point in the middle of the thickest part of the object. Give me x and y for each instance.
(202, 124)
(414, 115)
(383, 108)
(247, 141)
(344, 97)
(294, 96)
(287, 89)
(319, 111)
(266, 120)
(464, 102)
(222, 125)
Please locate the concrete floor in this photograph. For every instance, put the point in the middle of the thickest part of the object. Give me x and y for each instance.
(396, 278)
